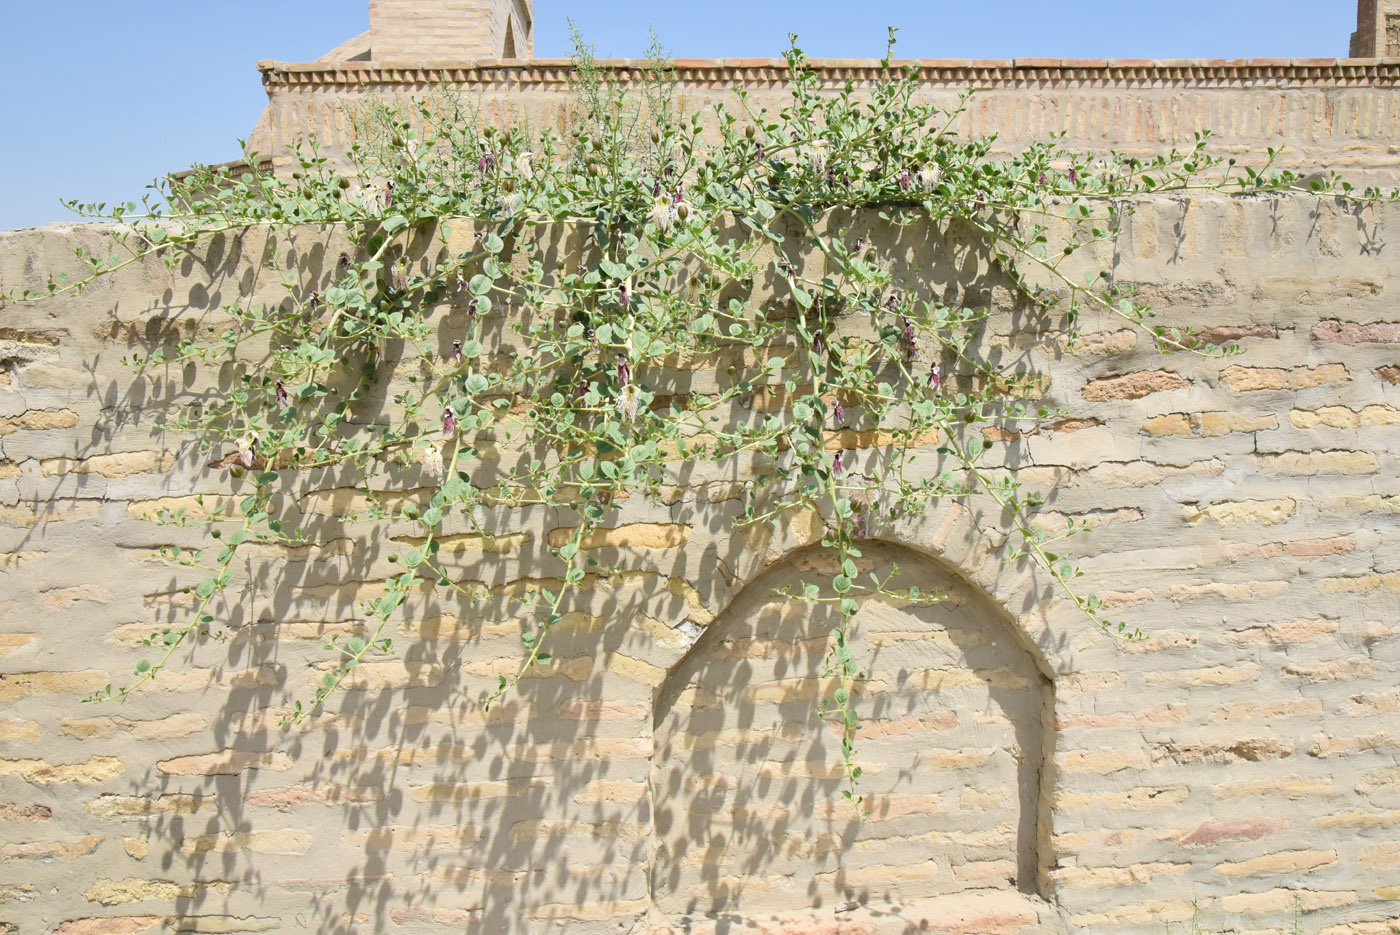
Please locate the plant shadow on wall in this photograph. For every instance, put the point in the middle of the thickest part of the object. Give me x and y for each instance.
(499, 420)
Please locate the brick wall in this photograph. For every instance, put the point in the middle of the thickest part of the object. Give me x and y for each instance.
(1027, 774)
(1338, 114)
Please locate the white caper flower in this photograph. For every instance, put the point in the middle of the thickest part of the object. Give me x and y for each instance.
(371, 200)
(817, 152)
(246, 446)
(525, 165)
(663, 213)
(628, 402)
(432, 462)
(928, 177)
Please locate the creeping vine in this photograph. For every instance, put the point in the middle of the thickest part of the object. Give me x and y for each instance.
(732, 250)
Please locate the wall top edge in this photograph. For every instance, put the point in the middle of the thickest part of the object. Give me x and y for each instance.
(550, 71)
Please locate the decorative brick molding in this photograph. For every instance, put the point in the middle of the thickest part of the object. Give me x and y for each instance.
(1021, 73)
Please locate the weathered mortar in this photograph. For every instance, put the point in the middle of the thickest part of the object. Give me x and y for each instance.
(1245, 515)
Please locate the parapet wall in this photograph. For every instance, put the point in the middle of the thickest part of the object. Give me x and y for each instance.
(1322, 113)
(666, 772)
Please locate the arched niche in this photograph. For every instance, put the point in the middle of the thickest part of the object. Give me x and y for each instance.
(955, 742)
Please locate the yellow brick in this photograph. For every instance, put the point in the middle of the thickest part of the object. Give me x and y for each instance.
(15, 729)
(1249, 379)
(1144, 797)
(23, 684)
(50, 850)
(1380, 415)
(140, 807)
(1341, 669)
(177, 725)
(1280, 901)
(1104, 761)
(1359, 819)
(1116, 876)
(51, 512)
(1299, 463)
(96, 769)
(1380, 856)
(123, 464)
(1298, 631)
(1339, 417)
(1382, 927)
(126, 925)
(39, 420)
(634, 536)
(288, 842)
(1213, 675)
(1152, 913)
(224, 763)
(635, 669)
(1278, 710)
(1373, 504)
(533, 828)
(1230, 513)
(464, 543)
(1177, 423)
(1222, 423)
(591, 912)
(1361, 584)
(131, 890)
(954, 759)
(196, 508)
(611, 792)
(1282, 862)
(17, 642)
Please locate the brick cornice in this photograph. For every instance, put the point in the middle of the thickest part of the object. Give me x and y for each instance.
(952, 73)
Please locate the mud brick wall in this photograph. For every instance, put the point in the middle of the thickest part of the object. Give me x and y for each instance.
(1341, 114)
(667, 772)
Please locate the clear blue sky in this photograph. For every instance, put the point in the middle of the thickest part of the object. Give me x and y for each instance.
(97, 98)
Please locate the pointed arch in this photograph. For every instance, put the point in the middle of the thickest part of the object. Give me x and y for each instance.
(956, 748)
(508, 47)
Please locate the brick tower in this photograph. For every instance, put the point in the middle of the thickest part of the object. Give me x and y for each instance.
(441, 31)
(1377, 29)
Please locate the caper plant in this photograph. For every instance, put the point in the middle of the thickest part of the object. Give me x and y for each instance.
(733, 245)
